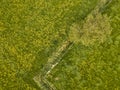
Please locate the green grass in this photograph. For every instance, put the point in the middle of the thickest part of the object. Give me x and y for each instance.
(30, 30)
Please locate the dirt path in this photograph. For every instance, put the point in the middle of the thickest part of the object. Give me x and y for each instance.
(55, 58)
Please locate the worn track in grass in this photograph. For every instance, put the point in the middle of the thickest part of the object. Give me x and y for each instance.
(55, 58)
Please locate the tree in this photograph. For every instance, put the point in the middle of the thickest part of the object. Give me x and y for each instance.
(95, 29)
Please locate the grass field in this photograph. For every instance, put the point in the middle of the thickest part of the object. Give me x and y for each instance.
(32, 30)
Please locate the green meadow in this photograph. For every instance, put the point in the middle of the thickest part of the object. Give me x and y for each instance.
(31, 31)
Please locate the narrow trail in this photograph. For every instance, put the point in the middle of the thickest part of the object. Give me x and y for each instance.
(57, 56)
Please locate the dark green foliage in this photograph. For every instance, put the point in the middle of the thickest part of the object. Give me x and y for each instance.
(92, 68)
